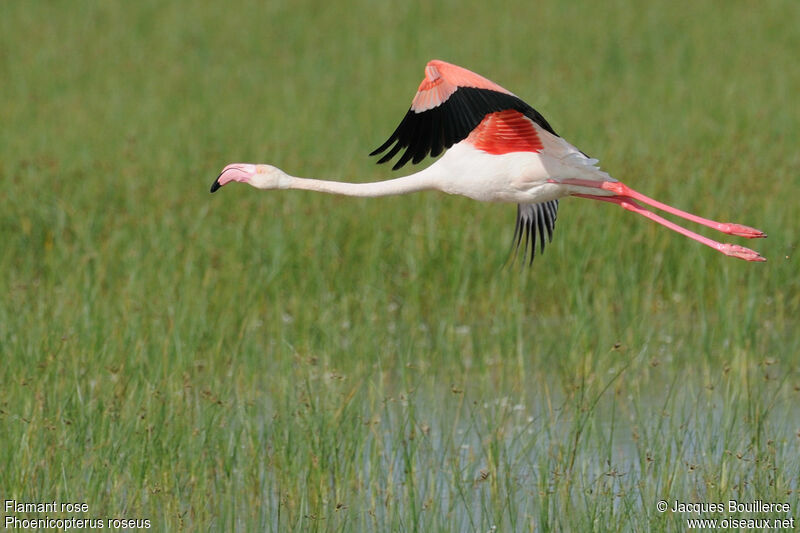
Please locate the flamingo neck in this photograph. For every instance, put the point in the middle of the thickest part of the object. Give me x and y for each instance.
(419, 181)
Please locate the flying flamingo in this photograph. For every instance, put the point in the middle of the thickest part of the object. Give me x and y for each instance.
(498, 149)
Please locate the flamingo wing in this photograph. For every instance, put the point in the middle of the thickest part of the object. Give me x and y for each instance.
(533, 219)
(450, 103)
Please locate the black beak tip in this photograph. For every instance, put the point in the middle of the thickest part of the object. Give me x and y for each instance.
(215, 185)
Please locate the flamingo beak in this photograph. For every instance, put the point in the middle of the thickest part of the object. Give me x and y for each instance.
(216, 185)
(235, 172)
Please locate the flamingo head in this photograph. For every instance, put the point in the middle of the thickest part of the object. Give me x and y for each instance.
(259, 176)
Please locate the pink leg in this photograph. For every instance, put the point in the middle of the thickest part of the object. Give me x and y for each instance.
(728, 249)
(622, 190)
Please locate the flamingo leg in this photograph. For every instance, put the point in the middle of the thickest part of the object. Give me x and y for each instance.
(732, 250)
(622, 190)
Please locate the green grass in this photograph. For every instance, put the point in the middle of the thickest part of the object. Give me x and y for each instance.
(280, 361)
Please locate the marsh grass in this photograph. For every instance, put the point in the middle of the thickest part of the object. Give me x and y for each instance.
(290, 361)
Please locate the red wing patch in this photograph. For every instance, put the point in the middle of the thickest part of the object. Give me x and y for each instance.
(504, 132)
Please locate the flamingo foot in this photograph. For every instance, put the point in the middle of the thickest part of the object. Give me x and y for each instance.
(734, 250)
(741, 231)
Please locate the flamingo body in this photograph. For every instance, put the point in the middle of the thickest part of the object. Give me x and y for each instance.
(496, 148)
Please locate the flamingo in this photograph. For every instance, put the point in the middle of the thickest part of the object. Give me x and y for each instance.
(496, 148)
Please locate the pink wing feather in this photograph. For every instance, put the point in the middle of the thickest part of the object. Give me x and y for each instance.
(442, 79)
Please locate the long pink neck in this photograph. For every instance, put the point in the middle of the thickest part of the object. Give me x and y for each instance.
(419, 181)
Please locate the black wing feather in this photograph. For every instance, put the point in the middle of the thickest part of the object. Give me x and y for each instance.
(533, 219)
(436, 129)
